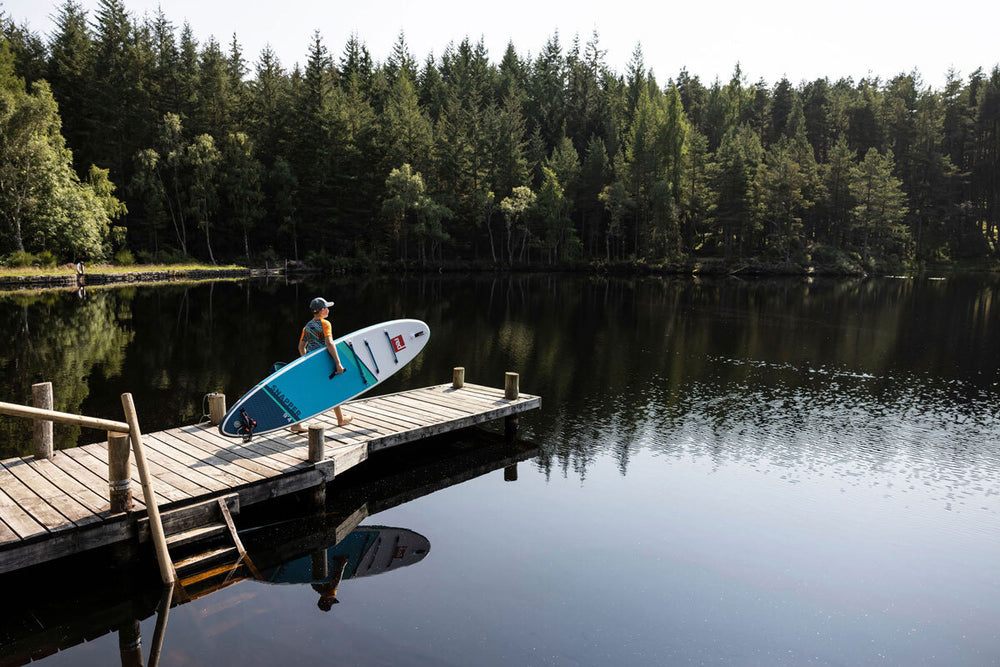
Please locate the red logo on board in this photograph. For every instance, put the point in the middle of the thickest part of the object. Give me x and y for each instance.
(398, 344)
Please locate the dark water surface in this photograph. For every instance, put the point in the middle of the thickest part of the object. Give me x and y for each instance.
(722, 472)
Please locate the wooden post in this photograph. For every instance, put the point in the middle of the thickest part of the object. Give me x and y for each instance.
(317, 441)
(510, 473)
(118, 473)
(167, 573)
(216, 407)
(511, 392)
(458, 377)
(130, 643)
(510, 386)
(41, 395)
(160, 630)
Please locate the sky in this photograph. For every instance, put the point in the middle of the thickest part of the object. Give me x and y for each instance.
(770, 39)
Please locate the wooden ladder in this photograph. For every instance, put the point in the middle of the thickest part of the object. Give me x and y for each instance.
(205, 549)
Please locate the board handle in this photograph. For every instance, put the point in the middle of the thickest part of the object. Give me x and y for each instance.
(392, 347)
(357, 362)
(372, 355)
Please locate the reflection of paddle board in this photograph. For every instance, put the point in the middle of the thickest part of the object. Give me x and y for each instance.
(306, 387)
(369, 550)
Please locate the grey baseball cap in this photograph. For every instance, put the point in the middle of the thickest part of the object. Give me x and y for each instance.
(319, 303)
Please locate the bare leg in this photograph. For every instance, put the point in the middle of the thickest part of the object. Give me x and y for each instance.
(341, 419)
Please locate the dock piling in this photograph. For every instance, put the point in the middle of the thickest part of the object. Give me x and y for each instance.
(458, 377)
(216, 407)
(119, 483)
(41, 394)
(511, 392)
(510, 386)
(317, 441)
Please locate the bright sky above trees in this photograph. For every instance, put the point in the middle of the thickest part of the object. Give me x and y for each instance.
(769, 38)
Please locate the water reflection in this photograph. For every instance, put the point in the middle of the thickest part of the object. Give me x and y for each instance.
(364, 552)
(45, 611)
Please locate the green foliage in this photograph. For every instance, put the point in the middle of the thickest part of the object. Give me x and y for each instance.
(124, 257)
(253, 156)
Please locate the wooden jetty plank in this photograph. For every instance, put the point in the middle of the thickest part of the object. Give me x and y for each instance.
(401, 421)
(85, 456)
(83, 494)
(169, 487)
(275, 457)
(235, 463)
(164, 490)
(7, 535)
(458, 399)
(377, 424)
(424, 415)
(199, 473)
(272, 457)
(96, 484)
(467, 397)
(349, 435)
(416, 407)
(293, 451)
(19, 523)
(209, 464)
(31, 502)
(283, 447)
(68, 506)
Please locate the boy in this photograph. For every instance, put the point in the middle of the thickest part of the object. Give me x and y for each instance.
(315, 334)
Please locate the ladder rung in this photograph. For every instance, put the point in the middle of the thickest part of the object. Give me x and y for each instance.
(205, 557)
(214, 572)
(196, 534)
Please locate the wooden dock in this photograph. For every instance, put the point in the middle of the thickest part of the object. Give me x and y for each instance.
(50, 508)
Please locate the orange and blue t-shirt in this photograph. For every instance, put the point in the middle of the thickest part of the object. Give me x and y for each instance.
(314, 333)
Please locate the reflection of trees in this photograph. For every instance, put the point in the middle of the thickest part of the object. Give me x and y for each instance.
(622, 362)
(57, 337)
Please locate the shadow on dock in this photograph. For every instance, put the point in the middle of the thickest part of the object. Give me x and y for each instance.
(52, 607)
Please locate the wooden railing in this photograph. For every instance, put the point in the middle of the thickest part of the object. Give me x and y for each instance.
(118, 469)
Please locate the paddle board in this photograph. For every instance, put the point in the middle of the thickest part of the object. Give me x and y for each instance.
(307, 386)
(369, 550)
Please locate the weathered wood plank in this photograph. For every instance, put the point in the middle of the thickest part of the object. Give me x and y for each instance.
(85, 478)
(84, 495)
(20, 524)
(74, 511)
(249, 451)
(276, 446)
(401, 421)
(229, 460)
(35, 505)
(202, 475)
(426, 415)
(85, 456)
(7, 535)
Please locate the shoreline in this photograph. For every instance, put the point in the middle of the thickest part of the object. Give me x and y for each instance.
(747, 269)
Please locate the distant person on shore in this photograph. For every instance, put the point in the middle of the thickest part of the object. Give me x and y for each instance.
(318, 332)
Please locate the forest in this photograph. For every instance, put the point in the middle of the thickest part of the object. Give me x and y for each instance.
(124, 138)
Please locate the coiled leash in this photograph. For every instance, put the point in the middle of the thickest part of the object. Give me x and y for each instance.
(247, 425)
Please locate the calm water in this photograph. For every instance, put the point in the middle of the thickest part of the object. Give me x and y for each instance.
(723, 472)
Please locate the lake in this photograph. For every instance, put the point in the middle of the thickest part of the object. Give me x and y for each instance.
(723, 471)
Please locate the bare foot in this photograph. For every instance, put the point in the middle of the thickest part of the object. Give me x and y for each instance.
(295, 428)
(345, 421)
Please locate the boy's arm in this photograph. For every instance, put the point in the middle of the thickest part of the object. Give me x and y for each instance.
(332, 349)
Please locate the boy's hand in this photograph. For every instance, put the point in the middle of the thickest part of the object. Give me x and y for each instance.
(340, 369)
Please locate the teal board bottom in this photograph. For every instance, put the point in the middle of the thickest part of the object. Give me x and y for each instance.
(302, 390)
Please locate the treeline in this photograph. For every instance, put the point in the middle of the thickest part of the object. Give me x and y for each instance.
(553, 158)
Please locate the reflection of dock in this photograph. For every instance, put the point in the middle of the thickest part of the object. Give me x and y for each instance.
(56, 616)
(56, 507)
